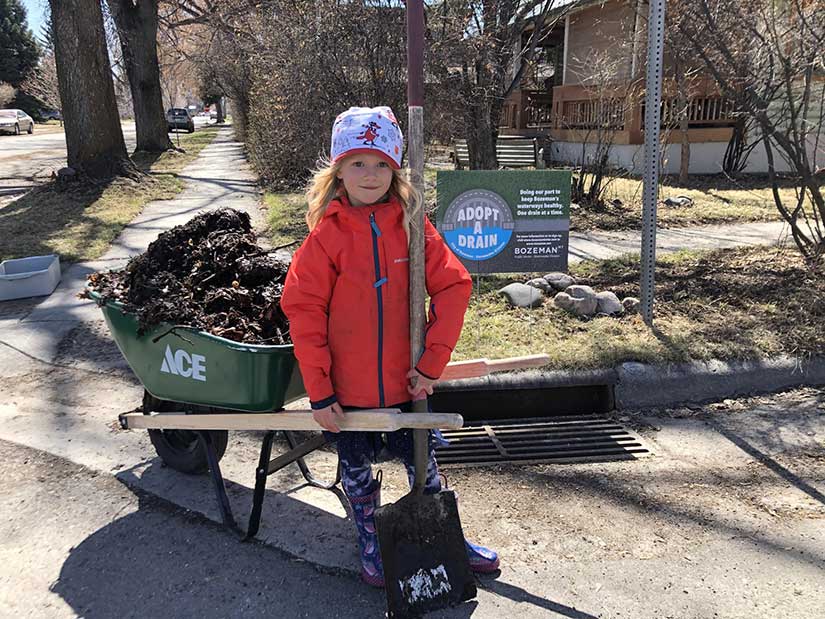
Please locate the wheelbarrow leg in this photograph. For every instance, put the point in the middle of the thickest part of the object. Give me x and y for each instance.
(217, 479)
(290, 439)
(266, 468)
(261, 474)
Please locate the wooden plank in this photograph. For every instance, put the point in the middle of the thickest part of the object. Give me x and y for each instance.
(372, 420)
(474, 368)
(518, 363)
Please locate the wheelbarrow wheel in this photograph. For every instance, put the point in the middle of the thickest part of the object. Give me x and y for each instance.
(182, 450)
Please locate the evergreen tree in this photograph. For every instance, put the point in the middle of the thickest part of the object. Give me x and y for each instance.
(47, 34)
(19, 51)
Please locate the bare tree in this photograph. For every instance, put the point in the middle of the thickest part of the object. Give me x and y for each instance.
(94, 140)
(480, 42)
(219, 39)
(42, 82)
(767, 57)
(740, 145)
(602, 111)
(137, 28)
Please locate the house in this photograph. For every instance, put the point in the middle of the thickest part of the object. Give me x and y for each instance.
(585, 93)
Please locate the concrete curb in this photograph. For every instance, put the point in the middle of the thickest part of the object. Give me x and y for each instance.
(645, 386)
(532, 379)
(639, 385)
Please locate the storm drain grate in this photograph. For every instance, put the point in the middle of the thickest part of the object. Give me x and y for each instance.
(532, 441)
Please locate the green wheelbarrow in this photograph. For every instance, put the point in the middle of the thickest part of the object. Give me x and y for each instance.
(198, 386)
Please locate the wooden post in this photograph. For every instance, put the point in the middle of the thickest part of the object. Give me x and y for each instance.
(415, 152)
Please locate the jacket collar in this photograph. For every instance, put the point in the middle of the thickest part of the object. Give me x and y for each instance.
(342, 208)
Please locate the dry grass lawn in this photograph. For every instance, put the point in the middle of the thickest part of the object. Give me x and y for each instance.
(716, 200)
(727, 304)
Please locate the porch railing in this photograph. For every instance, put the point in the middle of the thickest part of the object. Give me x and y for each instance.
(621, 108)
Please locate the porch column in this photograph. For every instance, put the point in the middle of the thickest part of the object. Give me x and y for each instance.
(564, 53)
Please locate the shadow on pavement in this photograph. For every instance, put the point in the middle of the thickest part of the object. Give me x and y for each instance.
(159, 562)
(517, 594)
(769, 462)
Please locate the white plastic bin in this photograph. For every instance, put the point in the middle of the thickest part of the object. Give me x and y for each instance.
(29, 277)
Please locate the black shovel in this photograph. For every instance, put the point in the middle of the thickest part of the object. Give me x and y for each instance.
(422, 547)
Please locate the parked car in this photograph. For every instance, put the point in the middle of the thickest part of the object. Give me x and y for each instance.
(51, 115)
(15, 121)
(179, 118)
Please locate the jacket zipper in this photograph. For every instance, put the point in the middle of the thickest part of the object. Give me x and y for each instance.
(378, 285)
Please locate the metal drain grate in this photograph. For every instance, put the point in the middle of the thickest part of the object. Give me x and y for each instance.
(532, 441)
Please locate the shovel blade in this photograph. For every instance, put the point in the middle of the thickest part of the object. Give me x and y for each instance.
(422, 549)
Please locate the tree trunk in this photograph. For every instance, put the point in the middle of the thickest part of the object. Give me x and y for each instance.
(219, 111)
(481, 139)
(137, 28)
(240, 115)
(94, 140)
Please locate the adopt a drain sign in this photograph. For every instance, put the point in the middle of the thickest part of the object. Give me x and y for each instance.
(478, 224)
(506, 221)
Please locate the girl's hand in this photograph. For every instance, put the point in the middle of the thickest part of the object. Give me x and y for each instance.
(327, 417)
(420, 386)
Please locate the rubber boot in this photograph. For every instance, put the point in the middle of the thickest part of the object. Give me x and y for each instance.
(482, 560)
(363, 510)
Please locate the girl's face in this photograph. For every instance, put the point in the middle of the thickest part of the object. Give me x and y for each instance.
(366, 178)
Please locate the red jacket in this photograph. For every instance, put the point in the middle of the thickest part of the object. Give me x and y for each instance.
(347, 300)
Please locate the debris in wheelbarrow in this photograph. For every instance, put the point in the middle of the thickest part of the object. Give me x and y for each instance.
(208, 274)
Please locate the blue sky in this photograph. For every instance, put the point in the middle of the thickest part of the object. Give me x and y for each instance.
(35, 14)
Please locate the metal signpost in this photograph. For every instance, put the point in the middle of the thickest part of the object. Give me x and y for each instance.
(653, 102)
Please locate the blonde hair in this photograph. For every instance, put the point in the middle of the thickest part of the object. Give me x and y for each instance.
(325, 186)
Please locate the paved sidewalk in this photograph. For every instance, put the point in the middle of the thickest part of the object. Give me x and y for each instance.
(726, 520)
(602, 245)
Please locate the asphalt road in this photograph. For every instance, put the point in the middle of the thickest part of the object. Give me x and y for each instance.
(94, 548)
(26, 159)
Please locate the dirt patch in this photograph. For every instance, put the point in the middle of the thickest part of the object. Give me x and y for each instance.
(208, 274)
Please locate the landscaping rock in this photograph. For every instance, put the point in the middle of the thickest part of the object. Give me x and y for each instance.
(559, 281)
(630, 305)
(580, 291)
(678, 201)
(540, 283)
(608, 303)
(522, 295)
(578, 300)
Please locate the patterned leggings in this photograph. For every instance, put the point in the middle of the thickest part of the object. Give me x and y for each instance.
(358, 451)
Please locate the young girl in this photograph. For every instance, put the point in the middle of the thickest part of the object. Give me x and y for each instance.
(347, 300)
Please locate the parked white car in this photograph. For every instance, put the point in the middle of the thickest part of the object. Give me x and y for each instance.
(15, 121)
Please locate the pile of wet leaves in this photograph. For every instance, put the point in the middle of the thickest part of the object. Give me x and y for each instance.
(208, 274)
